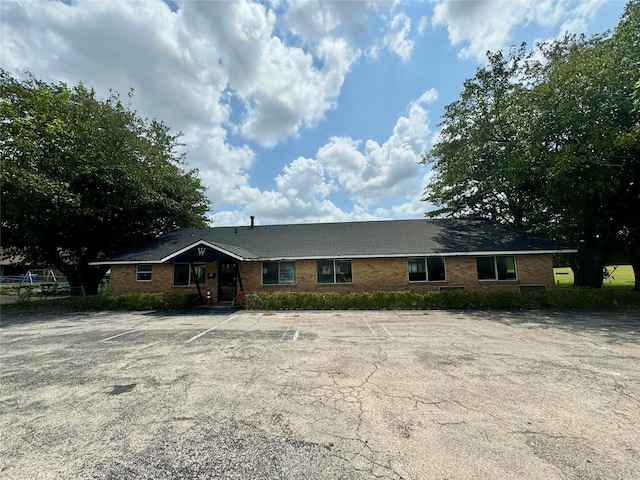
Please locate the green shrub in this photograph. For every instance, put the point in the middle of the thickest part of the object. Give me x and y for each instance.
(445, 300)
(565, 298)
(134, 302)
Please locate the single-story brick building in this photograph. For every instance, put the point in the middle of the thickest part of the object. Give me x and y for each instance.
(393, 255)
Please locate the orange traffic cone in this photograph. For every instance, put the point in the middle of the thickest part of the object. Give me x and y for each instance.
(209, 297)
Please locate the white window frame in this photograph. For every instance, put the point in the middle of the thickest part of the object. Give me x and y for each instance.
(335, 271)
(280, 282)
(140, 273)
(495, 269)
(191, 280)
(426, 269)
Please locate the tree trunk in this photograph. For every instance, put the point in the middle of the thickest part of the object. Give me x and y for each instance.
(587, 268)
(635, 264)
(84, 279)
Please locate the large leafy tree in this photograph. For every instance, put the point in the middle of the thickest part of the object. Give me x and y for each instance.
(587, 130)
(550, 145)
(83, 177)
(627, 37)
(483, 162)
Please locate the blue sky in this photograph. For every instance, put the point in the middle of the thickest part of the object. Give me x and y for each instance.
(293, 111)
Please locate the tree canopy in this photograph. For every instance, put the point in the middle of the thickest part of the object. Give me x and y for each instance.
(83, 177)
(549, 141)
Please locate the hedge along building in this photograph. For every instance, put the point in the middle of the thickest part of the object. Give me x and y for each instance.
(393, 255)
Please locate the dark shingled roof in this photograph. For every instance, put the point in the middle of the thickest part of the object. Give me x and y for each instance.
(389, 238)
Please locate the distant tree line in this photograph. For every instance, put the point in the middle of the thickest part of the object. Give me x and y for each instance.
(548, 140)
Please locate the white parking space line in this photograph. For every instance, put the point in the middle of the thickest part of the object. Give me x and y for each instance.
(295, 335)
(26, 336)
(212, 328)
(120, 334)
(370, 328)
(470, 331)
(386, 331)
(285, 333)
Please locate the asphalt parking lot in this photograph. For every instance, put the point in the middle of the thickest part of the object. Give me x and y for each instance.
(320, 395)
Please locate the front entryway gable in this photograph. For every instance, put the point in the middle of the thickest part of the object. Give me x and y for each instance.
(200, 252)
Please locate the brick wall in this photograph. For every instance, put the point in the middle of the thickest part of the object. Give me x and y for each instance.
(123, 281)
(374, 274)
(531, 270)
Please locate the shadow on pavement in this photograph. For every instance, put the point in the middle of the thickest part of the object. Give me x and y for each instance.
(612, 324)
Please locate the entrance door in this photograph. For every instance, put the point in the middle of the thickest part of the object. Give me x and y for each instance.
(227, 281)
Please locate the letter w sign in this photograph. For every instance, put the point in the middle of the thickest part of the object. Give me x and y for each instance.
(201, 251)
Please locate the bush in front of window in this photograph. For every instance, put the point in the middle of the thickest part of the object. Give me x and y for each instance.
(444, 300)
(565, 298)
(133, 302)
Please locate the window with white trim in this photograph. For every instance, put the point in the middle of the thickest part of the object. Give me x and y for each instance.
(430, 269)
(334, 271)
(183, 275)
(500, 267)
(143, 272)
(278, 273)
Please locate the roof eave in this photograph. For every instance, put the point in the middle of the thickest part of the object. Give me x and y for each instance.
(416, 254)
(340, 257)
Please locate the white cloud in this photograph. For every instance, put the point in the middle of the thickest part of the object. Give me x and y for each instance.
(364, 172)
(583, 13)
(183, 64)
(423, 22)
(266, 214)
(304, 179)
(223, 167)
(187, 66)
(427, 97)
(483, 25)
(301, 194)
(284, 87)
(314, 20)
(376, 171)
(397, 39)
(291, 93)
(229, 73)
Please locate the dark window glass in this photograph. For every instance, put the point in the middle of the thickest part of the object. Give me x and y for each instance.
(269, 273)
(435, 267)
(325, 271)
(486, 268)
(501, 267)
(334, 271)
(343, 271)
(278, 273)
(506, 267)
(143, 272)
(181, 274)
(417, 270)
(287, 272)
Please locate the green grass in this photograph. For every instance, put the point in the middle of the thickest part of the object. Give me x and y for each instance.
(622, 276)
